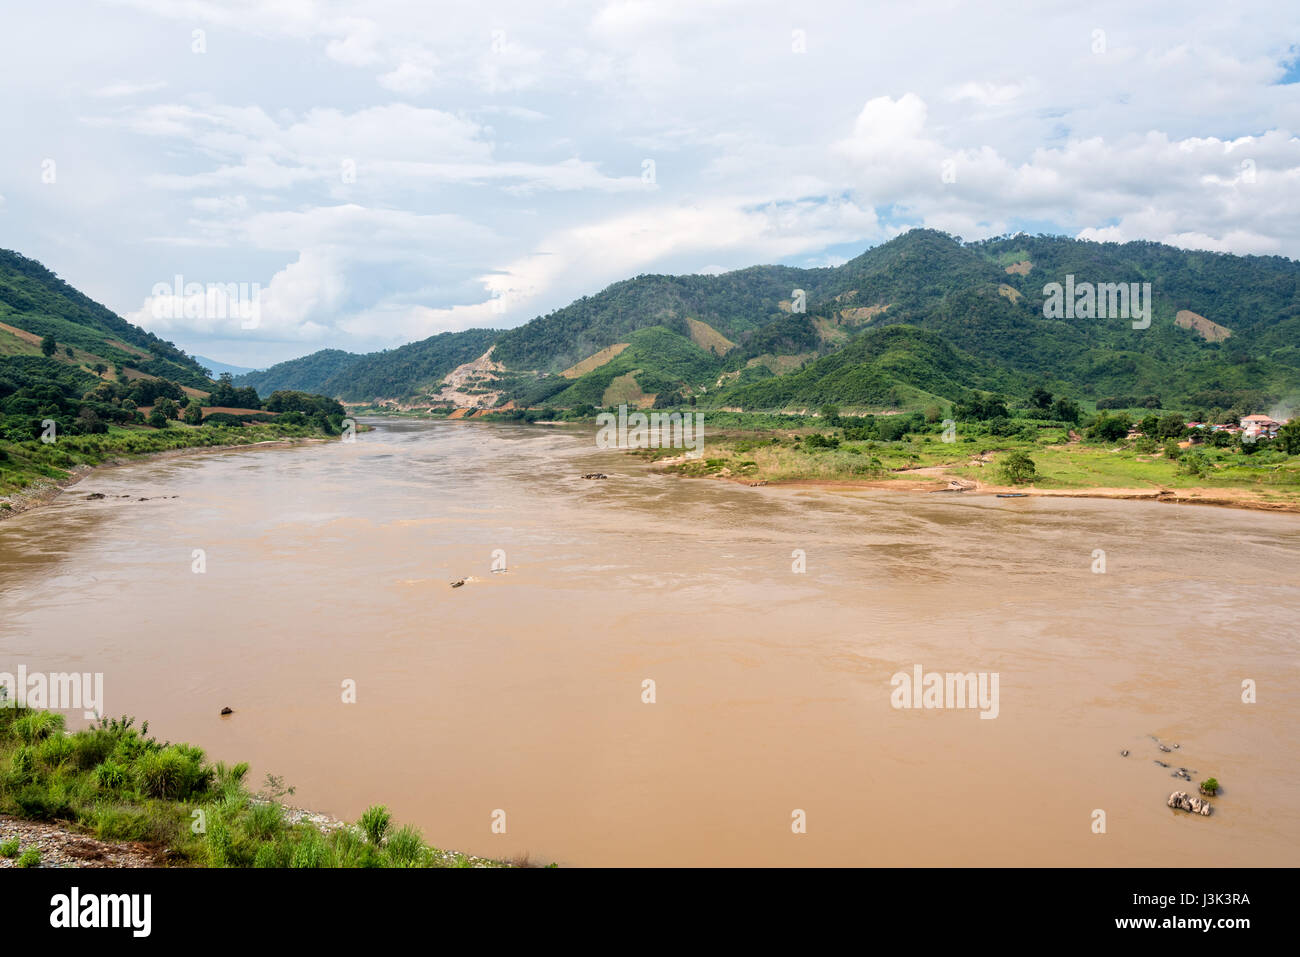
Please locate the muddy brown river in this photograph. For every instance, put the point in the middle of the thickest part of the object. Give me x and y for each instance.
(524, 691)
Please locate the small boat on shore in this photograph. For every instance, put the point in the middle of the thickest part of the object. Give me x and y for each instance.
(1013, 495)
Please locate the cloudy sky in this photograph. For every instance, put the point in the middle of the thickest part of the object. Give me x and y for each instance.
(385, 171)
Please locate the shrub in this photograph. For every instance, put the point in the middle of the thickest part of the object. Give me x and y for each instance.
(269, 855)
(1195, 463)
(111, 776)
(406, 847)
(37, 726)
(10, 847)
(311, 851)
(1018, 468)
(173, 773)
(30, 858)
(374, 822)
(264, 822)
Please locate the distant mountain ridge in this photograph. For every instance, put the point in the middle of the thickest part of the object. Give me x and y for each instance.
(217, 367)
(919, 319)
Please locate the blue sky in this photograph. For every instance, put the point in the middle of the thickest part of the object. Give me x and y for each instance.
(386, 171)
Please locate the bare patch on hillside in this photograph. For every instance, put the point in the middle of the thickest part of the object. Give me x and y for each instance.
(1020, 269)
(1009, 292)
(1205, 328)
(828, 331)
(626, 390)
(594, 361)
(708, 338)
(780, 365)
(862, 313)
(471, 386)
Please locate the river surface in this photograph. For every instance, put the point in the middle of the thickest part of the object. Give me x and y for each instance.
(523, 691)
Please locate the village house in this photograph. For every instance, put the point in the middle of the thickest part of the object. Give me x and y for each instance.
(1256, 427)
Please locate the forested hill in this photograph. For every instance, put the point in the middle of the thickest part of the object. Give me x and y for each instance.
(35, 304)
(393, 373)
(1224, 332)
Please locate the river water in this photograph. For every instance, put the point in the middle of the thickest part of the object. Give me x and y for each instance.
(524, 691)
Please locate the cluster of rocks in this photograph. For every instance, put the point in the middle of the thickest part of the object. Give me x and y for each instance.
(595, 475)
(96, 496)
(1182, 801)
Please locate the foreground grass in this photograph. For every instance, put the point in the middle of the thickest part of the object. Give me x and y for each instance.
(117, 783)
(27, 464)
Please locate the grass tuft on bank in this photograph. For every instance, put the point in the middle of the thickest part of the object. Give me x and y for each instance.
(117, 783)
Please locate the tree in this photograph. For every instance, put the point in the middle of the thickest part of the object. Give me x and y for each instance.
(157, 419)
(194, 413)
(1195, 463)
(1171, 426)
(1041, 398)
(1288, 437)
(1018, 468)
(1065, 410)
(49, 346)
(167, 407)
(1109, 428)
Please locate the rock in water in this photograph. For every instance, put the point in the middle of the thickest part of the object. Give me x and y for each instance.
(227, 710)
(458, 583)
(1182, 801)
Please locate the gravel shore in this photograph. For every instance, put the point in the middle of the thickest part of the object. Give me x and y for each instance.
(60, 847)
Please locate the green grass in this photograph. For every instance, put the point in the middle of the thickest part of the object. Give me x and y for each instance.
(116, 782)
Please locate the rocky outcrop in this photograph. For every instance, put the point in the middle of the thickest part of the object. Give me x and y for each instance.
(1182, 801)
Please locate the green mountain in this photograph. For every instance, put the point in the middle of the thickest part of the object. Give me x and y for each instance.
(309, 373)
(71, 368)
(35, 304)
(1224, 332)
(890, 367)
(393, 373)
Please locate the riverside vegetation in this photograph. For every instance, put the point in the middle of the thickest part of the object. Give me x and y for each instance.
(79, 385)
(993, 445)
(117, 783)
